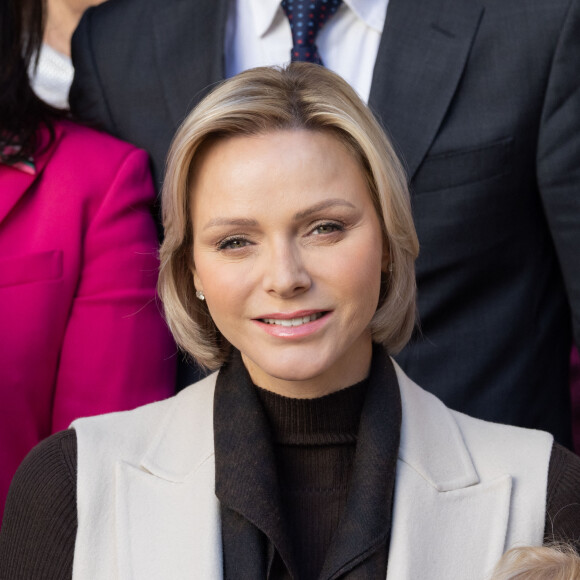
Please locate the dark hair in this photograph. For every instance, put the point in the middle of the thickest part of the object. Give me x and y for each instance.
(21, 111)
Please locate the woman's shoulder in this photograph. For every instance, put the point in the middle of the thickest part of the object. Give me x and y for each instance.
(40, 519)
(53, 460)
(426, 415)
(81, 142)
(93, 165)
(130, 433)
(78, 132)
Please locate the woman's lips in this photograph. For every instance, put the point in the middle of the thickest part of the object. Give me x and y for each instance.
(293, 325)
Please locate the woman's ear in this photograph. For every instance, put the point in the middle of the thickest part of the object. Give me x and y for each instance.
(196, 280)
(198, 286)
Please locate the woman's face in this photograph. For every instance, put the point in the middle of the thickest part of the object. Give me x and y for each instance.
(288, 252)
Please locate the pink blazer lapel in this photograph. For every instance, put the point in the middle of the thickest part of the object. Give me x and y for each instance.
(15, 183)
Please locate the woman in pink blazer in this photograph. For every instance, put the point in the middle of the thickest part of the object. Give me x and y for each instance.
(80, 330)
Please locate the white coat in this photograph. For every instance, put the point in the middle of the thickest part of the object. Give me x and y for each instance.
(466, 491)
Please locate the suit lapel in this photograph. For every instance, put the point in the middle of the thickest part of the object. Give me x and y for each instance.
(167, 514)
(188, 41)
(15, 183)
(439, 499)
(421, 58)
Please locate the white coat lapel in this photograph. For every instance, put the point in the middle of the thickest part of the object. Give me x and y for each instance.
(441, 510)
(438, 535)
(168, 522)
(168, 529)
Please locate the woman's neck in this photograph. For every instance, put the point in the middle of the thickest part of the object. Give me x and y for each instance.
(61, 21)
(352, 368)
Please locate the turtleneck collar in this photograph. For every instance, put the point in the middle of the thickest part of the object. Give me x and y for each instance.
(247, 482)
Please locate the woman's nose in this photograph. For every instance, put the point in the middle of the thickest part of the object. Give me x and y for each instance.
(285, 272)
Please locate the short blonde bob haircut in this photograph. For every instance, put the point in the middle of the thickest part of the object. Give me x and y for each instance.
(299, 97)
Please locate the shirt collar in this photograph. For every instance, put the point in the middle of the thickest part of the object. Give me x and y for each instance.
(264, 12)
(371, 12)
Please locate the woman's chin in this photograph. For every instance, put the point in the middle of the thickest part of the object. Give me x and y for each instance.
(298, 377)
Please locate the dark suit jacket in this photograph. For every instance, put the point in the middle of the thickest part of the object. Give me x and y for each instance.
(482, 100)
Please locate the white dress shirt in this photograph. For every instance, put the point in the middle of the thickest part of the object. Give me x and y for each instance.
(52, 78)
(258, 34)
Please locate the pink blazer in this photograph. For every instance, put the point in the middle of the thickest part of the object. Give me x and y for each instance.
(80, 330)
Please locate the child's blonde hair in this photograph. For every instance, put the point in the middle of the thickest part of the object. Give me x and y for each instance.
(556, 562)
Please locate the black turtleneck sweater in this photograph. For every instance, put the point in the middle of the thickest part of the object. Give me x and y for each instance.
(314, 444)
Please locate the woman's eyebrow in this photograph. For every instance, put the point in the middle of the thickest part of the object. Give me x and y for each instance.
(247, 222)
(327, 203)
(221, 221)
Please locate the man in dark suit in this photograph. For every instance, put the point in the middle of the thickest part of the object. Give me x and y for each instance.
(482, 101)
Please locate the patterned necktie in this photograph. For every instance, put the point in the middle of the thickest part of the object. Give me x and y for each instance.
(307, 17)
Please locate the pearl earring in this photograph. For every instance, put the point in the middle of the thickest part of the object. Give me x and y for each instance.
(391, 264)
(200, 295)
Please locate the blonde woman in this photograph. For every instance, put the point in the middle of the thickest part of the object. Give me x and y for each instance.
(288, 268)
